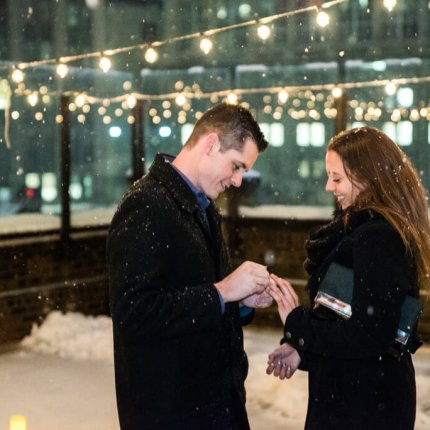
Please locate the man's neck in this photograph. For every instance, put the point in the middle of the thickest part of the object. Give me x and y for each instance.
(186, 164)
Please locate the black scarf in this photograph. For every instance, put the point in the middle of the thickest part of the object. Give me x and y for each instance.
(325, 238)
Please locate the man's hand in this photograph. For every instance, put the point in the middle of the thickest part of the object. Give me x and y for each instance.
(258, 300)
(248, 279)
(283, 362)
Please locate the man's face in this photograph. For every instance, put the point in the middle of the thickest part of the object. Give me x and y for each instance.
(225, 169)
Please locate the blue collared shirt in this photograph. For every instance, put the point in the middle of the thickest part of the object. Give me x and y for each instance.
(204, 203)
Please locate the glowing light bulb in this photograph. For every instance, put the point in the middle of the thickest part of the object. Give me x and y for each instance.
(151, 55)
(206, 45)
(232, 98)
(17, 422)
(263, 32)
(131, 101)
(92, 4)
(62, 70)
(80, 100)
(390, 89)
(17, 76)
(180, 100)
(337, 92)
(32, 99)
(105, 64)
(282, 96)
(323, 20)
(390, 4)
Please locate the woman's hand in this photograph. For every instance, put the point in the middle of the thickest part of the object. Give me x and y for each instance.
(284, 295)
(258, 300)
(283, 362)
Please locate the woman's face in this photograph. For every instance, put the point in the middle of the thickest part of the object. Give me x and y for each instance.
(338, 182)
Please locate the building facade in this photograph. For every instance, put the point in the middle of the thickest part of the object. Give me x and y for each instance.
(287, 79)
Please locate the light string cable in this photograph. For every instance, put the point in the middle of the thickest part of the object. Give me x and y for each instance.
(239, 91)
(142, 46)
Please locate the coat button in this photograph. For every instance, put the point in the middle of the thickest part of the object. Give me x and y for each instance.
(301, 342)
(288, 335)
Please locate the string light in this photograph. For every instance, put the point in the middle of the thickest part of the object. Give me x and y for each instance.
(232, 98)
(216, 95)
(180, 100)
(390, 4)
(283, 96)
(80, 100)
(32, 99)
(263, 31)
(151, 55)
(17, 76)
(337, 92)
(62, 70)
(105, 63)
(206, 45)
(390, 89)
(131, 101)
(323, 20)
(144, 46)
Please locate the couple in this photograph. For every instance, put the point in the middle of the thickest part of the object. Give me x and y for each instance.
(178, 307)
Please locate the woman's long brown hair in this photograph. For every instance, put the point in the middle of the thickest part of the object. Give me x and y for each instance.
(392, 188)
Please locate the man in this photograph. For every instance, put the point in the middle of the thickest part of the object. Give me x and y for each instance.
(175, 301)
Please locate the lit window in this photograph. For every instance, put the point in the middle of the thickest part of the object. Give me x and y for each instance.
(405, 97)
(317, 132)
(49, 187)
(318, 168)
(32, 180)
(302, 133)
(115, 131)
(389, 128)
(304, 169)
(404, 133)
(165, 131)
(277, 134)
(274, 133)
(401, 132)
(310, 134)
(75, 188)
(186, 131)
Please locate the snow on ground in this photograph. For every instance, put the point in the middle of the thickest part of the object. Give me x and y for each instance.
(61, 378)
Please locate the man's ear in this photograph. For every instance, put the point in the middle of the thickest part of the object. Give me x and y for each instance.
(211, 142)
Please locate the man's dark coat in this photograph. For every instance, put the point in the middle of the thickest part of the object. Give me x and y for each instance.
(179, 362)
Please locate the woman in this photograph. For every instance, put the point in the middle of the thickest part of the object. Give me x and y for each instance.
(380, 235)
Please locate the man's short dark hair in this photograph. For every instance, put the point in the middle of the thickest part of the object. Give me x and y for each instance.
(234, 124)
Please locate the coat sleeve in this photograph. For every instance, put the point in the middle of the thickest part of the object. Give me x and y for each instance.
(145, 305)
(381, 282)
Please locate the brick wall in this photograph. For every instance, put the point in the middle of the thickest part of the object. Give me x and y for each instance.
(39, 274)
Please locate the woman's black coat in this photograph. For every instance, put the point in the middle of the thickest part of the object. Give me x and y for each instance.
(353, 382)
(179, 362)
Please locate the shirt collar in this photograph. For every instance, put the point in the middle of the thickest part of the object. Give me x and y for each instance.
(200, 195)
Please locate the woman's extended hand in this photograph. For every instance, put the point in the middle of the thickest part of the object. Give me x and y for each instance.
(258, 300)
(283, 362)
(284, 295)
